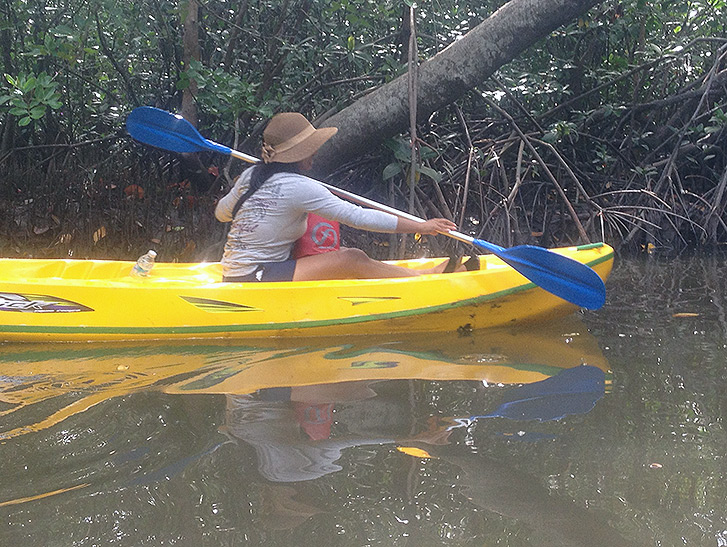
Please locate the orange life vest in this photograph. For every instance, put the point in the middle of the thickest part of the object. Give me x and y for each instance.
(322, 235)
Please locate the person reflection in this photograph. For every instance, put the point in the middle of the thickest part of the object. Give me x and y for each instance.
(292, 429)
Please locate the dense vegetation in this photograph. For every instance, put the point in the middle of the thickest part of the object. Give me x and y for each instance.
(613, 127)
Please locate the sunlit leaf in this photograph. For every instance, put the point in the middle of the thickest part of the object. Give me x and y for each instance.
(413, 451)
(99, 234)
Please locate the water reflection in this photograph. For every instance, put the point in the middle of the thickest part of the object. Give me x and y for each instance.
(500, 488)
(172, 422)
(318, 371)
(290, 428)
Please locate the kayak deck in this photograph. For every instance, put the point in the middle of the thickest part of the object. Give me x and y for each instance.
(86, 300)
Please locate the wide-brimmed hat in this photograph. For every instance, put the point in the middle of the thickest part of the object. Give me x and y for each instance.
(290, 138)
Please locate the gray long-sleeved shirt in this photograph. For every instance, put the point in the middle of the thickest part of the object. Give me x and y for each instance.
(274, 217)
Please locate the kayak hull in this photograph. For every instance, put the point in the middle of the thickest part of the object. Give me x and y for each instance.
(92, 300)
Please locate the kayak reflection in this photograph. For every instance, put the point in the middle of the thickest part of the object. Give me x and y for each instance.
(301, 403)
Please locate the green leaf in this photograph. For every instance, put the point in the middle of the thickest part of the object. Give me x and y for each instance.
(24, 121)
(391, 170)
(63, 31)
(427, 153)
(26, 86)
(431, 173)
(400, 148)
(37, 113)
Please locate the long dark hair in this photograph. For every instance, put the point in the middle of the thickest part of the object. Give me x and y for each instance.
(261, 172)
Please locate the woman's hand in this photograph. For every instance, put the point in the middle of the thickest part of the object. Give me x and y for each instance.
(429, 227)
(435, 226)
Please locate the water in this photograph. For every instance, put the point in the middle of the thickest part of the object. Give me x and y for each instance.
(372, 441)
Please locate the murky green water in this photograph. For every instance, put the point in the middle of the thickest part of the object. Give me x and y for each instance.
(373, 441)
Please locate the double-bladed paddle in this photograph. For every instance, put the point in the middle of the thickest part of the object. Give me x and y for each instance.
(557, 274)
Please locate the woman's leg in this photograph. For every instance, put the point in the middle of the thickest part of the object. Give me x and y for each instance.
(351, 264)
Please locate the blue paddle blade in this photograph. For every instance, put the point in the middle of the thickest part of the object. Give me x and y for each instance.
(557, 274)
(168, 131)
(572, 391)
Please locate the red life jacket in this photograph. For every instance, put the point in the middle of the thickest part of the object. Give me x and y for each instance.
(322, 235)
(315, 419)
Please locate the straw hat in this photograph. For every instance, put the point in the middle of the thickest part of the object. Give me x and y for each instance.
(290, 138)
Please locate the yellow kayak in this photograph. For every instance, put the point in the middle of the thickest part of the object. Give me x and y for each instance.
(93, 300)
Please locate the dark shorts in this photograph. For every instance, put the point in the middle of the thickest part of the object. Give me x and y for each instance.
(270, 271)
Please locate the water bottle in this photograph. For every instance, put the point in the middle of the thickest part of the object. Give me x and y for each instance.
(144, 265)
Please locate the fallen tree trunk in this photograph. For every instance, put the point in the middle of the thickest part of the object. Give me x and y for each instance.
(445, 77)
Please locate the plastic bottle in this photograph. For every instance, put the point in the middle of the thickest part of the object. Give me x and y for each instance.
(144, 265)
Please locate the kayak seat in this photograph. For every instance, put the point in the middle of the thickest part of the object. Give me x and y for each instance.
(471, 264)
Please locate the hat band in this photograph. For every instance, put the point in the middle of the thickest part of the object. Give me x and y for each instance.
(269, 151)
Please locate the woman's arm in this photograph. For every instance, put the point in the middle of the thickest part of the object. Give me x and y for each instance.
(223, 210)
(226, 205)
(312, 197)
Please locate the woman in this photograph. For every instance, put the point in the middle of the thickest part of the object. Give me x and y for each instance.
(269, 203)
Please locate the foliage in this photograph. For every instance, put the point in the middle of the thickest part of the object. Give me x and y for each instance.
(402, 155)
(30, 97)
(625, 107)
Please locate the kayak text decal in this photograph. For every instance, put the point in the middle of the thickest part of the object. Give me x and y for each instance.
(38, 303)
